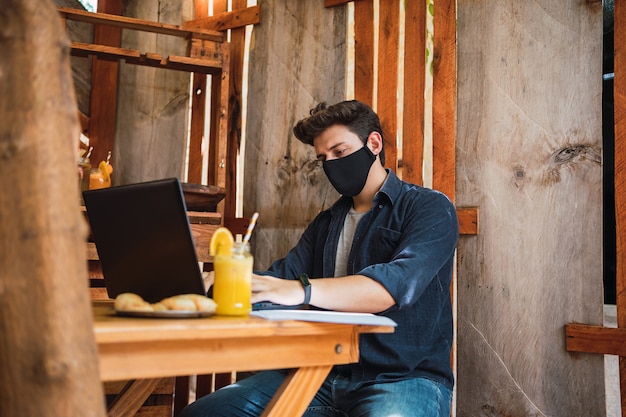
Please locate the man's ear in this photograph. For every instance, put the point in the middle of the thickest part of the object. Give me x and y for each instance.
(375, 142)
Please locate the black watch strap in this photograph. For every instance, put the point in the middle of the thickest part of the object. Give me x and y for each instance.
(306, 284)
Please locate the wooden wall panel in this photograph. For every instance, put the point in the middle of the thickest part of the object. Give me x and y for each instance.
(413, 97)
(529, 155)
(620, 175)
(444, 97)
(297, 60)
(387, 94)
(364, 51)
(153, 104)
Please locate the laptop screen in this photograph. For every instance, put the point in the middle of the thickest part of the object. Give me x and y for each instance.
(144, 240)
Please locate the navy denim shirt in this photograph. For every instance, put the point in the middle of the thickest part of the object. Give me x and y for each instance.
(406, 242)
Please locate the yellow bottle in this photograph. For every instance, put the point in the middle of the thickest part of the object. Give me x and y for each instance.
(233, 281)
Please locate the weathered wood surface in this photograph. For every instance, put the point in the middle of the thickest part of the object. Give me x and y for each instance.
(81, 67)
(297, 59)
(151, 130)
(620, 177)
(529, 155)
(48, 359)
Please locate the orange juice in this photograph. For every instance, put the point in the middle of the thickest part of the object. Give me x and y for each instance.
(233, 281)
(97, 180)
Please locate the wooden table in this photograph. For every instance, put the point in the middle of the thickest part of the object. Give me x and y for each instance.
(144, 349)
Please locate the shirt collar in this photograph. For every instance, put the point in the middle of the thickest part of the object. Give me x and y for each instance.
(391, 189)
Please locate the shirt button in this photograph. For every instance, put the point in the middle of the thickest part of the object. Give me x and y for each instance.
(380, 206)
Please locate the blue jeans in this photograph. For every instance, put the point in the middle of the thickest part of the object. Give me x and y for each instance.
(418, 397)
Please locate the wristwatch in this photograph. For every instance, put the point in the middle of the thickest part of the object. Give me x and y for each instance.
(306, 284)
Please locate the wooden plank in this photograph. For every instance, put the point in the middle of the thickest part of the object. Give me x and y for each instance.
(135, 393)
(103, 52)
(201, 63)
(595, 339)
(235, 106)
(333, 3)
(123, 22)
(364, 51)
(299, 383)
(387, 95)
(414, 85)
(104, 91)
(529, 271)
(238, 18)
(198, 111)
(444, 98)
(619, 96)
(468, 220)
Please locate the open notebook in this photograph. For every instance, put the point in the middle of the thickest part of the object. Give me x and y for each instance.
(144, 240)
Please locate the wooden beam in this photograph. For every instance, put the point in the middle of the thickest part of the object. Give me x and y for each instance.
(104, 79)
(333, 3)
(619, 108)
(210, 64)
(387, 94)
(227, 20)
(595, 339)
(124, 22)
(468, 220)
(414, 85)
(364, 52)
(198, 110)
(444, 98)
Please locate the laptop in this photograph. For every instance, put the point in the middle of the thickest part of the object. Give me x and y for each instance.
(144, 239)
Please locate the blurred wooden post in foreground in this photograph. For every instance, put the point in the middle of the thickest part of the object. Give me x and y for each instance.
(48, 357)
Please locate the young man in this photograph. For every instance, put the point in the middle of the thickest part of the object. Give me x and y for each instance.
(385, 247)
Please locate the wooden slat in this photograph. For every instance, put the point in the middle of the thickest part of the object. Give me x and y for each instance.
(137, 392)
(595, 339)
(124, 22)
(109, 53)
(228, 20)
(619, 94)
(364, 51)
(198, 111)
(468, 220)
(235, 104)
(210, 64)
(444, 97)
(332, 3)
(104, 81)
(387, 99)
(414, 85)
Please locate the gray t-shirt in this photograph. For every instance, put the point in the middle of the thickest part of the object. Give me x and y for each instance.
(345, 242)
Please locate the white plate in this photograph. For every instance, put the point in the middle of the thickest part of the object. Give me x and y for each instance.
(166, 314)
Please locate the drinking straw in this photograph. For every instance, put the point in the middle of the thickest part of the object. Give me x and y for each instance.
(246, 238)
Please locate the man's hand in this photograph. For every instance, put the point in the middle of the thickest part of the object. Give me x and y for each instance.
(277, 290)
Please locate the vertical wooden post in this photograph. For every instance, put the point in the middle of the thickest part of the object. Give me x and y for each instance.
(387, 94)
(48, 357)
(103, 97)
(619, 92)
(414, 85)
(364, 51)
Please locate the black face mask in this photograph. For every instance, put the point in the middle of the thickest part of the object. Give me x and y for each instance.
(349, 174)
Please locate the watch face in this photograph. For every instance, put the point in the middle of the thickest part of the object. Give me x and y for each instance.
(304, 279)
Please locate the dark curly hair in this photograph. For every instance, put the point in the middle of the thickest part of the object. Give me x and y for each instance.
(358, 117)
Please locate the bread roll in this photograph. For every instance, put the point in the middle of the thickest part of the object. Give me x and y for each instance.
(131, 302)
(189, 302)
(179, 302)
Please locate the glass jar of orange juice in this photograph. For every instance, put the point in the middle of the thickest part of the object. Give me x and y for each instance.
(232, 288)
(97, 180)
